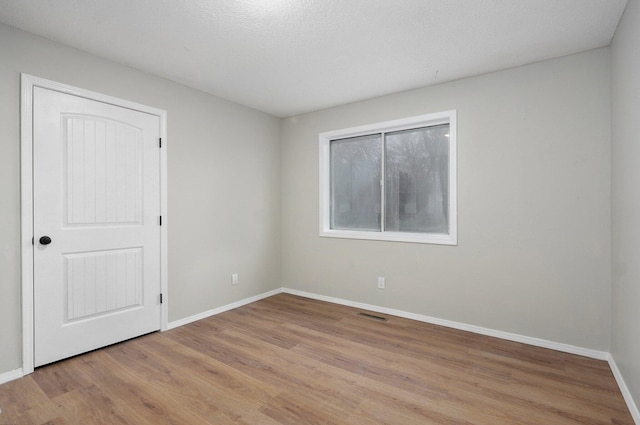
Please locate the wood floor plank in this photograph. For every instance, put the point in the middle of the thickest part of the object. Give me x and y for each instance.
(89, 405)
(227, 397)
(144, 402)
(45, 413)
(19, 401)
(292, 360)
(58, 378)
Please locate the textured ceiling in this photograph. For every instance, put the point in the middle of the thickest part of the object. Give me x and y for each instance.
(286, 57)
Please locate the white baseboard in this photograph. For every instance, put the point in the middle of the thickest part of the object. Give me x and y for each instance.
(631, 404)
(538, 342)
(600, 355)
(10, 376)
(213, 312)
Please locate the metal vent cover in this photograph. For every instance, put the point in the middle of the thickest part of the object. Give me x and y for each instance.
(372, 316)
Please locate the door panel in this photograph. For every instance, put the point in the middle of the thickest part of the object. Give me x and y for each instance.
(97, 195)
(101, 157)
(101, 282)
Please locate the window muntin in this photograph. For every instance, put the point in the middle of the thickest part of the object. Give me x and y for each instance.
(391, 181)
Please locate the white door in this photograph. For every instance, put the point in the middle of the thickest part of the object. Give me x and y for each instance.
(96, 196)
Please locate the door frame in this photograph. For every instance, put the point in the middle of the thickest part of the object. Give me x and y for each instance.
(28, 82)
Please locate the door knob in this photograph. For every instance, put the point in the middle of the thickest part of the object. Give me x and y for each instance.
(45, 240)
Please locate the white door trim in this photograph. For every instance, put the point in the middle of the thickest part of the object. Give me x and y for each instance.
(28, 82)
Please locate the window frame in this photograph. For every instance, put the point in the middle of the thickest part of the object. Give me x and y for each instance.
(428, 120)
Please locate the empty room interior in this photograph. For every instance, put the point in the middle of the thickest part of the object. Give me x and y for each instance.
(304, 212)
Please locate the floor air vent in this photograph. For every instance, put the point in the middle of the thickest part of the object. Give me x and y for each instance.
(373, 316)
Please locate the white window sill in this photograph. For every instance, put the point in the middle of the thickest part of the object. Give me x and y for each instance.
(426, 238)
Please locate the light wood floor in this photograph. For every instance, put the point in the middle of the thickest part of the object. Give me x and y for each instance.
(291, 360)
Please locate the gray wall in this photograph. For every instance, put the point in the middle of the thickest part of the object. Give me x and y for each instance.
(625, 329)
(533, 200)
(534, 189)
(224, 182)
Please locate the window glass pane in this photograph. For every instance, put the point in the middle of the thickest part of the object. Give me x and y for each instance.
(416, 180)
(355, 183)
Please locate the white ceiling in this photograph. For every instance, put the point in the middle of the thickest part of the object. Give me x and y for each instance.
(286, 57)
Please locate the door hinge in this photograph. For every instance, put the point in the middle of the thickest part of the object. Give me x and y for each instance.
(33, 240)
(160, 142)
(160, 220)
(160, 298)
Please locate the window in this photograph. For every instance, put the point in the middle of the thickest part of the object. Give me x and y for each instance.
(394, 181)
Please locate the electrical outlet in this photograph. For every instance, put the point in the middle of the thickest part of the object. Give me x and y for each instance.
(234, 279)
(381, 283)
